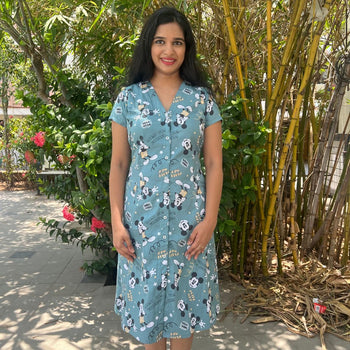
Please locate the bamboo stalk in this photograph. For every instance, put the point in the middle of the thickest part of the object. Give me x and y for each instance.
(253, 241)
(293, 121)
(224, 76)
(278, 95)
(269, 87)
(235, 55)
(293, 244)
(235, 240)
(243, 237)
(338, 248)
(285, 59)
(278, 250)
(269, 49)
(259, 194)
(345, 253)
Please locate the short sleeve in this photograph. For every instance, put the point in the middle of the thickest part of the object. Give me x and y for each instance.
(120, 108)
(212, 112)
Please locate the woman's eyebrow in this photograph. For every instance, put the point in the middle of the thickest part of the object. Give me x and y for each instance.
(162, 37)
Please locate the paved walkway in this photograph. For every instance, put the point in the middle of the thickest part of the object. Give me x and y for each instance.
(47, 303)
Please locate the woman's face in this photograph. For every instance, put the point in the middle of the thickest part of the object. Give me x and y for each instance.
(168, 50)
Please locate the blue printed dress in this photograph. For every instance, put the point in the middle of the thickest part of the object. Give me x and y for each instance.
(162, 294)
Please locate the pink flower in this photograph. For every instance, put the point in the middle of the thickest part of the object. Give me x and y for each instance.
(97, 224)
(21, 133)
(62, 159)
(67, 213)
(72, 157)
(24, 175)
(29, 156)
(39, 138)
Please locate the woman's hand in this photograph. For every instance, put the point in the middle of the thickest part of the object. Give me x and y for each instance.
(122, 243)
(199, 239)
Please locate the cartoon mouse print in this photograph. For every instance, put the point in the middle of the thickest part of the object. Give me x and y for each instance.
(145, 190)
(182, 307)
(182, 117)
(163, 283)
(194, 281)
(185, 227)
(130, 323)
(143, 151)
(180, 196)
(177, 274)
(143, 324)
(200, 98)
(142, 231)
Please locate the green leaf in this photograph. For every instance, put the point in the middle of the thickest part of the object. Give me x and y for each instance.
(90, 162)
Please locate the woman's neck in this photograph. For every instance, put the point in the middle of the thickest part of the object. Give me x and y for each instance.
(166, 81)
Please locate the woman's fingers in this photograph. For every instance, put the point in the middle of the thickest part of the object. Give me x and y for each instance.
(194, 250)
(197, 246)
(123, 250)
(124, 246)
(198, 240)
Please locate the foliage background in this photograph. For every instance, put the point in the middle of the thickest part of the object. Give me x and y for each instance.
(264, 61)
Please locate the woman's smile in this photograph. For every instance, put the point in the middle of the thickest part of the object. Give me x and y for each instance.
(168, 61)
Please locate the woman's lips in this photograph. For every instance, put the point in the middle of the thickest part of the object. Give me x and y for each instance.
(168, 61)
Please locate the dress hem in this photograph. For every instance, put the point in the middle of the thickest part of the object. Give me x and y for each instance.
(169, 337)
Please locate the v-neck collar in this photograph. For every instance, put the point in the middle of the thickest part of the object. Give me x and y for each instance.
(148, 85)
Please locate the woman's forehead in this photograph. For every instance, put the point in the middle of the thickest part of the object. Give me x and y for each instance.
(171, 29)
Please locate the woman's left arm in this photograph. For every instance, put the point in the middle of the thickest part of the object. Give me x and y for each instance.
(203, 232)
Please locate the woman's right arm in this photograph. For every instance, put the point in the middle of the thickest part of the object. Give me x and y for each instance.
(120, 163)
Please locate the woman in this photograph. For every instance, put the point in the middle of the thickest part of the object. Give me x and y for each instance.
(164, 211)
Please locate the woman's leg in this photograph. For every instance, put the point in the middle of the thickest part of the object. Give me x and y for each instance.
(181, 344)
(160, 345)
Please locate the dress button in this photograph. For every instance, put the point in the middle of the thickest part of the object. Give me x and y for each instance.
(164, 217)
(166, 157)
(167, 137)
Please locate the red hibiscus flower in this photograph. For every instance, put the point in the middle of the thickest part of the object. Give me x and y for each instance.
(67, 213)
(39, 139)
(97, 224)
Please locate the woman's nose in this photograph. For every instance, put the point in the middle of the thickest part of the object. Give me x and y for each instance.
(168, 47)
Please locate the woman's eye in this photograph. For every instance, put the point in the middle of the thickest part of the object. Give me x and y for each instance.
(159, 42)
(178, 43)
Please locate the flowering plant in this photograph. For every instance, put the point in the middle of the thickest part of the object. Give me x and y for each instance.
(77, 140)
(97, 224)
(20, 153)
(68, 213)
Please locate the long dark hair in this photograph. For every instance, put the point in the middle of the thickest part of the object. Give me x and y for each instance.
(142, 67)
